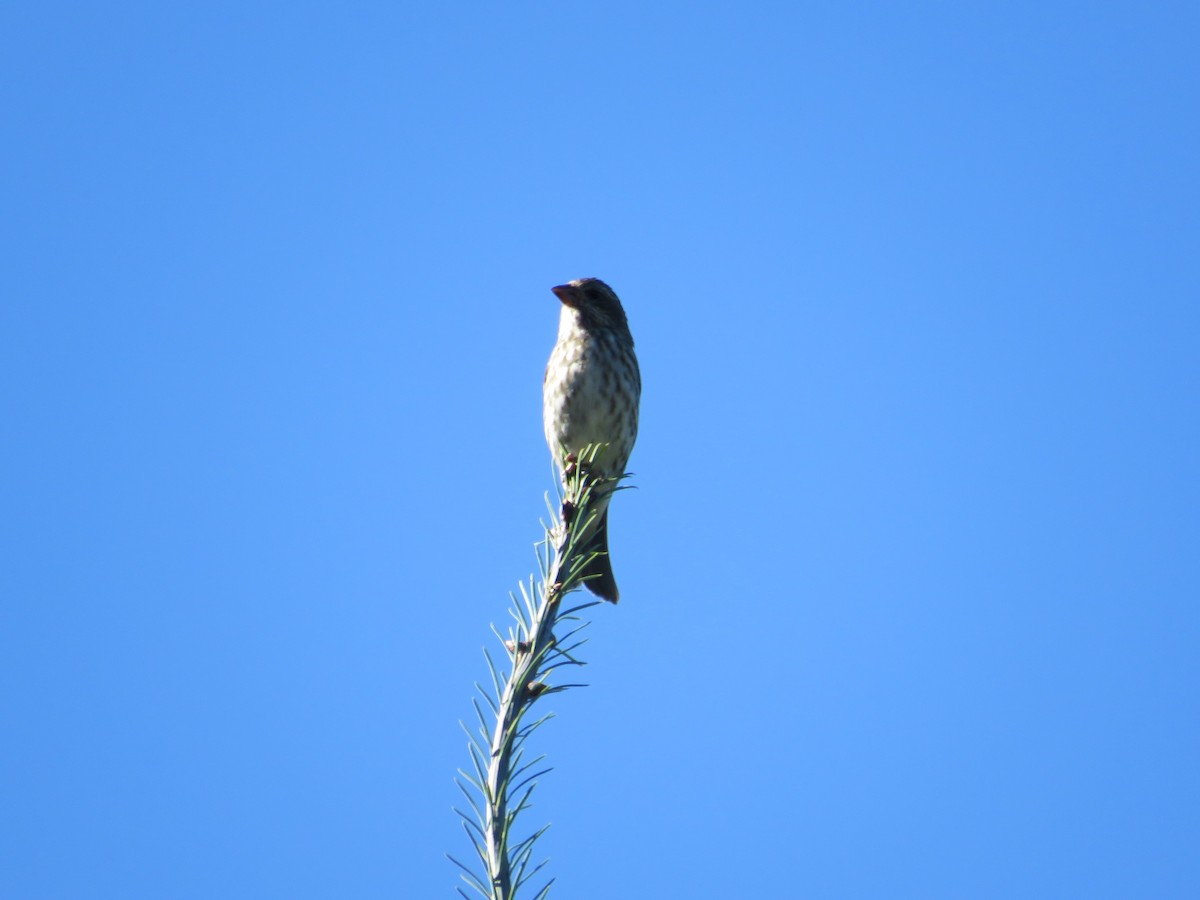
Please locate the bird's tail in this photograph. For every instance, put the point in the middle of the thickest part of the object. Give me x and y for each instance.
(598, 574)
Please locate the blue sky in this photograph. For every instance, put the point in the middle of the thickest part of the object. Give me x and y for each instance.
(909, 601)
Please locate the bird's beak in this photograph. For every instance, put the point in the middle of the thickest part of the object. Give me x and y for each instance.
(565, 293)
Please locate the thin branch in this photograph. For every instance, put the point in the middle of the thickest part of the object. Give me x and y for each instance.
(504, 782)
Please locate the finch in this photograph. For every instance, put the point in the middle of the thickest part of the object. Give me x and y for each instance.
(590, 395)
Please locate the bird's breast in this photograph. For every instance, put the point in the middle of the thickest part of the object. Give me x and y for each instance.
(590, 394)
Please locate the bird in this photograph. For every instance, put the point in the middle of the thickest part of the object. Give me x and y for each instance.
(590, 395)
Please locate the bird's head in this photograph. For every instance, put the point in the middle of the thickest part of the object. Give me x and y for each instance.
(594, 302)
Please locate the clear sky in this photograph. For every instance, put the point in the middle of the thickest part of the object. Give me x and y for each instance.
(909, 582)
